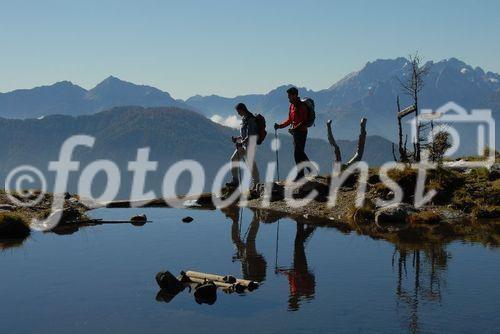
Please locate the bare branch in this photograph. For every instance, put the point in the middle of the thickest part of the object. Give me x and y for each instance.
(406, 111)
(361, 143)
(333, 143)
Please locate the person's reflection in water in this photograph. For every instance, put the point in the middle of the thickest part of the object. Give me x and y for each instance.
(300, 279)
(253, 264)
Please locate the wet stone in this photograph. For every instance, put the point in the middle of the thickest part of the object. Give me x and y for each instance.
(139, 218)
(187, 219)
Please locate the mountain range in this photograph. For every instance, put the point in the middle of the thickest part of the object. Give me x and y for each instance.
(372, 92)
(66, 98)
(369, 92)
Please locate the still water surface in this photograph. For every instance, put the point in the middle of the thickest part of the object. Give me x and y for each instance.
(101, 279)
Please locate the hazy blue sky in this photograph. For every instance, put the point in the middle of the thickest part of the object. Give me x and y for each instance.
(233, 47)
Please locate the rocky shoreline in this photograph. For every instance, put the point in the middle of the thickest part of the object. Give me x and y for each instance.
(399, 223)
(467, 204)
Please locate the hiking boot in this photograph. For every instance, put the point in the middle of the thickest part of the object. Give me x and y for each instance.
(232, 184)
(254, 191)
(255, 186)
(298, 177)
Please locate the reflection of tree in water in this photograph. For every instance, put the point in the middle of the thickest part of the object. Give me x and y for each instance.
(300, 279)
(253, 264)
(421, 273)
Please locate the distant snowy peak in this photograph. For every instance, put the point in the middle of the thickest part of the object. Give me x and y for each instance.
(373, 72)
(494, 79)
(472, 74)
(387, 71)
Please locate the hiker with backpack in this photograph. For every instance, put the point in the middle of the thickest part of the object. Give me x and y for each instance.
(300, 116)
(251, 126)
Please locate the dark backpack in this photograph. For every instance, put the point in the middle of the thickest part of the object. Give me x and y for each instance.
(261, 128)
(311, 113)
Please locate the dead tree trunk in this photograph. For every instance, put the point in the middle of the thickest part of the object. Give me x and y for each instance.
(412, 87)
(403, 152)
(403, 156)
(417, 125)
(361, 143)
(333, 143)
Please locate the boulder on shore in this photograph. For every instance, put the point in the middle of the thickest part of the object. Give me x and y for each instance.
(275, 192)
(320, 185)
(494, 172)
(394, 214)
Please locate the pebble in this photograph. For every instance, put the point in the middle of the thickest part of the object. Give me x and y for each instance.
(187, 219)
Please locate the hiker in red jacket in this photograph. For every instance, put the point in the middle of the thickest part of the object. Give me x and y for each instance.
(297, 118)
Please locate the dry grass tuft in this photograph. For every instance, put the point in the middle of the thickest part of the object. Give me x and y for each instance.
(425, 217)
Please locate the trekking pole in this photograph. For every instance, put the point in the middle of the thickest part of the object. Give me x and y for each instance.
(240, 223)
(239, 169)
(277, 247)
(278, 224)
(277, 157)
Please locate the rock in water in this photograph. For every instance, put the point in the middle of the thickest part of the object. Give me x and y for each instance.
(70, 214)
(165, 296)
(170, 286)
(205, 293)
(167, 281)
(139, 220)
(187, 219)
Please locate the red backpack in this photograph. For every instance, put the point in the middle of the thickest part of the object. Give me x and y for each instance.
(261, 126)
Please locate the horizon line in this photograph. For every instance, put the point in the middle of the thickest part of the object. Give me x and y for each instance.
(238, 95)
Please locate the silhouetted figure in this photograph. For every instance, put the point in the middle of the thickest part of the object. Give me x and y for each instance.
(249, 128)
(253, 264)
(300, 279)
(297, 119)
